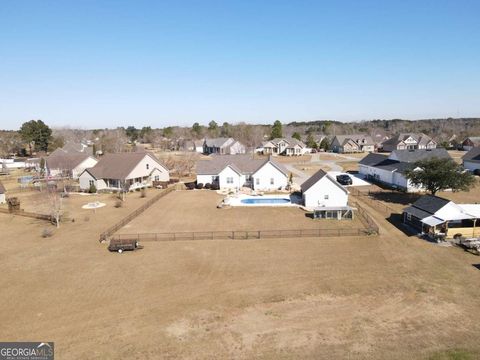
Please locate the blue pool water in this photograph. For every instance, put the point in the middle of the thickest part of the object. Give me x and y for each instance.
(265, 201)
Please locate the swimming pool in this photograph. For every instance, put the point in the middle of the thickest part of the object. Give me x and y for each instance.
(262, 200)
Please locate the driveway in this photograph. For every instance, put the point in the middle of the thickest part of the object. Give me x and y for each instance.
(357, 179)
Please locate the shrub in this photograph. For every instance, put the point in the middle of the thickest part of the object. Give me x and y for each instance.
(46, 233)
(208, 186)
(92, 189)
(200, 186)
(118, 203)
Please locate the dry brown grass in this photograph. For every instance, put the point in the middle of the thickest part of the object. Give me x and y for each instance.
(389, 297)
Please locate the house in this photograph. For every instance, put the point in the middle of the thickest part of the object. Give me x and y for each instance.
(352, 143)
(124, 171)
(68, 164)
(197, 145)
(390, 169)
(237, 171)
(471, 142)
(72, 147)
(438, 216)
(2, 194)
(409, 141)
(471, 160)
(379, 136)
(223, 146)
(326, 196)
(284, 146)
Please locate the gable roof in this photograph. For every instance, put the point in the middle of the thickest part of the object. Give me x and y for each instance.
(65, 161)
(119, 165)
(319, 175)
(290, 141)
(241, 163)
(71, 147)
(430, 203)
(473, 139)
(358, 139)
(373, 159)
(412, 156)
(420, 138)
(217, 142)
(472, 155)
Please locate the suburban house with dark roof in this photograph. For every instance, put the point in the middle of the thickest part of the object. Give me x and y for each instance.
(352, 143)
(325, 196)
(409, 141)
(284, 146)
(68, 164)
(72, 147)
(471, 142)
(237, 171)
(437, 216)
(390, 169)
(471, 160)
(3, 200)
(223, 146)
(124, 171)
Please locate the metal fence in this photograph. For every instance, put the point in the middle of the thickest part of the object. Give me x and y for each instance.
(111, 230)
(244, 235)
(366, 219)
(376, 204)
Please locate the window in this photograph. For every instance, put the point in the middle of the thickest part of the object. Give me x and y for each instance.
(148, 166)
(257, 181)
(272, 181)
(325, 197)
(157, 178)
(229, 180)
(91, 183)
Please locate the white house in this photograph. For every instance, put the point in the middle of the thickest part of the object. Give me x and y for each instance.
(352, 143)
(409, 141)
(225, 146)
(124, 171)
(283, 146)
(2, 194)
(322, 190)
(471, 160)
(471, 142)
(68, 164)
(390, 170)
(237, 171)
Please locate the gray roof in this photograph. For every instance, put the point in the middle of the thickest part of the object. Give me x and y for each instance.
(473, 139)
(217, 142)
(421, 138)
(118, 165)
(243, 164)
(312, 180)
(359, 139)
(65, 161)
(71, 147)
(412, 156)
(373, 159)
(2, 189)
(472, 155)
(291, 142)
(427, 205)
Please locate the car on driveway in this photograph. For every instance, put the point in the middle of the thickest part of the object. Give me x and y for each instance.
(344, 179)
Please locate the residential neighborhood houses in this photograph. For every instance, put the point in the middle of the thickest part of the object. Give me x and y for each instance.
(284, 146)
(471, 160)
(66, 164)
(409, 141)
(238, 171)
(437, 216)
(223, 146)
(390, 169)
(470, 142)
(352, 143)
(124, 172)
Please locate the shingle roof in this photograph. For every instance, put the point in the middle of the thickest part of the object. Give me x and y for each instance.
(65, 161)
(373, 159)
(412, 156)
(217, 142)
(312, 180)
(359, 139)
(421, 138)
(2, 189)
(430, 203)
(118, 165)
(290, 141)
(472, 155)
(244, 164)
(73, 148)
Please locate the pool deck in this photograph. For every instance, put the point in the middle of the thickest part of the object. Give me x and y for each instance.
(236, 200)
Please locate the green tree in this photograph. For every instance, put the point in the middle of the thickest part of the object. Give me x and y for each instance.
(297, 136)
(213, 128)
(226, 130)
(276, 130)
(132, 133)
(324, 144)
(311, 143)
(37, 134)
(167, 132)
(437, 174)
(197, 129)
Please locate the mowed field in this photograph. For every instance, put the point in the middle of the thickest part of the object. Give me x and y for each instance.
(196, 210)
(386, 297)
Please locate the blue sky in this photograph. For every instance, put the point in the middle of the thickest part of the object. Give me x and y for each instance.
(94, 64)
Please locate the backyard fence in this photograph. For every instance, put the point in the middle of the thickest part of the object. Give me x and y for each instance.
(243, 235)
(366, 219)
(27, 214)
(111, 230)
(376, 204)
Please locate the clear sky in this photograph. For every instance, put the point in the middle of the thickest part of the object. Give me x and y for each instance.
(94, 64)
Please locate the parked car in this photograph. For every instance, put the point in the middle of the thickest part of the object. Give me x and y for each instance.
(344, 179)
(121, 245)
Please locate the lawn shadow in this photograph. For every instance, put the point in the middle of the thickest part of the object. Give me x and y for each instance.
(395, 197)
(396, 220)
